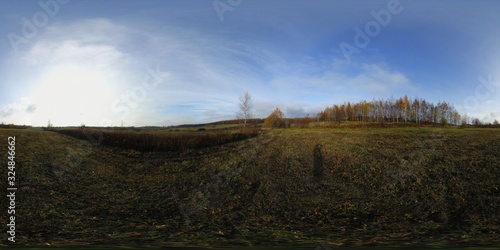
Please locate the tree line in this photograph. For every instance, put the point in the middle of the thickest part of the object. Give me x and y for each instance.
(404, 109)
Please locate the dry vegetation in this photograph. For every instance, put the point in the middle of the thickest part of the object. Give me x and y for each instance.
(283, 187)
(157, 140)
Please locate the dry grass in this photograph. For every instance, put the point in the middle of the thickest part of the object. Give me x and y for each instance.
(377, 186)
(158, 140)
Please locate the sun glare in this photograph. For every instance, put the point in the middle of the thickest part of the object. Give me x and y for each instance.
(72, 94)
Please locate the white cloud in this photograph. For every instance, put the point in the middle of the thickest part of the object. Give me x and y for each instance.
(100, 56)
(493, 116)
(380, 81)
(18, 111)
(368, 80)
(94, 41)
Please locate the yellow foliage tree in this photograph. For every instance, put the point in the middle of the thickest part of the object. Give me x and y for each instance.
(275, 119)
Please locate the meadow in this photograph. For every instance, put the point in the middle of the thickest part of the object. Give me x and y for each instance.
(345, 185)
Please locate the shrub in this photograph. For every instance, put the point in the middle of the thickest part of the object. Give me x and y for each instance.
(275, 119)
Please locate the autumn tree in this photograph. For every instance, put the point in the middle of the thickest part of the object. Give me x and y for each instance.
(275, 119)
(246, 106)
(456, 117)
(401, 107)
(375, 110)
(343, 110)
(365, 110)
(337, 113)
(326, 115)
(390, 111)
(350, 111)
(416, 110)
(406, 108)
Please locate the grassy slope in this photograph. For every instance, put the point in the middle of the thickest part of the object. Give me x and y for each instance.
(379, 185)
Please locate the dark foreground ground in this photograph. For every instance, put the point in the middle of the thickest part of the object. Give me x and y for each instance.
(321, 247)
(377, 186)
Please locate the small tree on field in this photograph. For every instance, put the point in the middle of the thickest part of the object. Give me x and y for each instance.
(49, 124)
(275, 119)
(496, 122)
(246, 106)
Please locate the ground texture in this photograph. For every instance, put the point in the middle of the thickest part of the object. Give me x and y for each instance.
(351, 186)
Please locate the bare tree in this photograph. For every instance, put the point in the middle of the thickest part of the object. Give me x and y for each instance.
(246, 106)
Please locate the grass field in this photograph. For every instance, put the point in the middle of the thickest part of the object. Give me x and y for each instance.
(425, 185)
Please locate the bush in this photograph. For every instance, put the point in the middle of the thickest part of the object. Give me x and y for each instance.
(275, 119)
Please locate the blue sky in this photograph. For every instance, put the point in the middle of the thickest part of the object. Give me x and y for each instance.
(175, 62)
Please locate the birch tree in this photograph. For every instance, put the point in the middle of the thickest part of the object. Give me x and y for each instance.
(246, 106)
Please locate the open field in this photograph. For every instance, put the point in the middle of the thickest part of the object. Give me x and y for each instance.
(374, 186)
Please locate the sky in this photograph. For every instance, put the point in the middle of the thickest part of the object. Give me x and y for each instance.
(171, 62)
